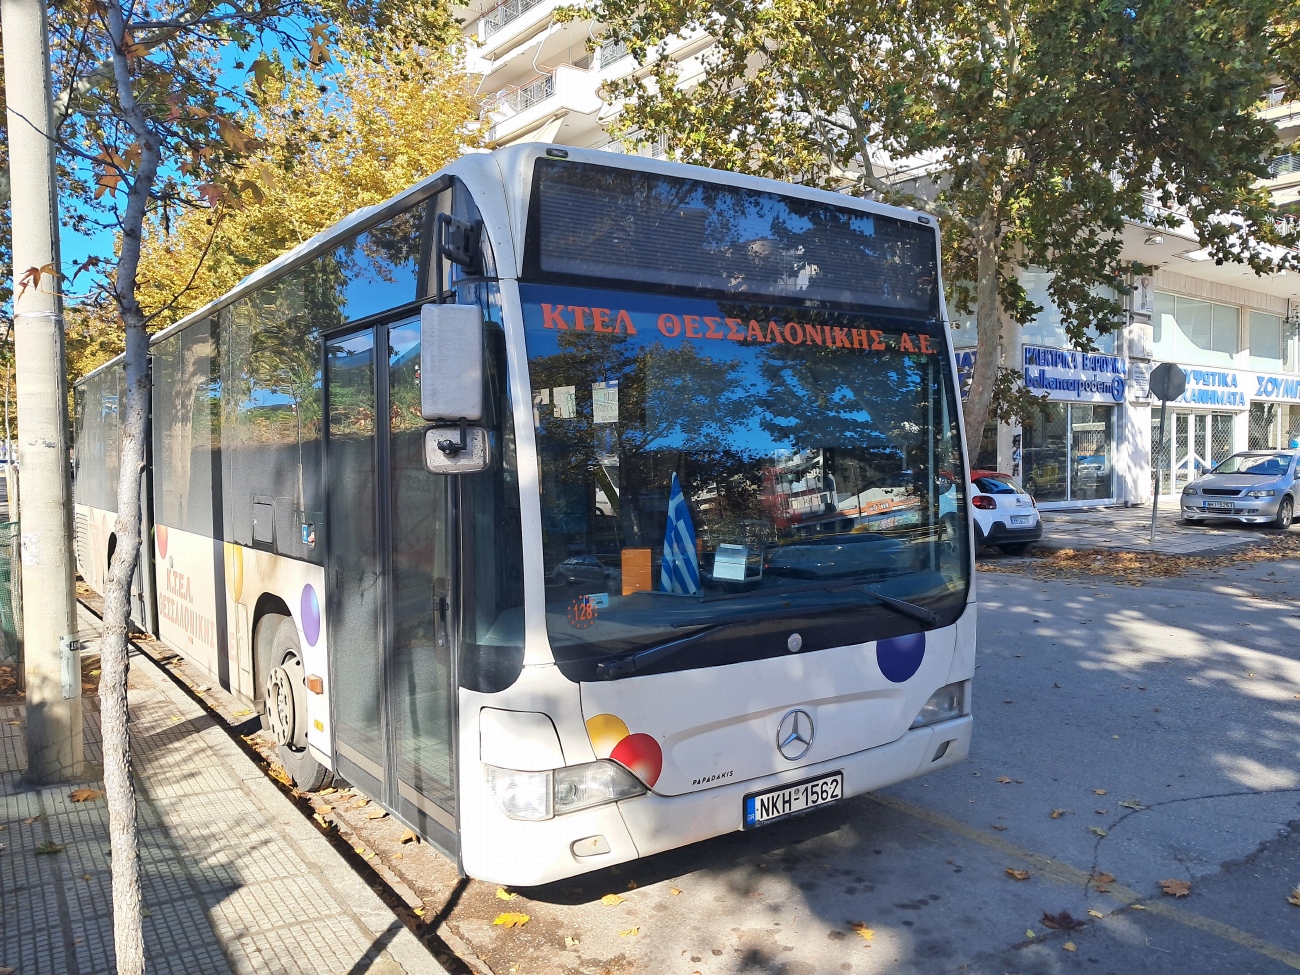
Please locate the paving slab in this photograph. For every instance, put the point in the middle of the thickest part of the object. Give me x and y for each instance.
(234, 878)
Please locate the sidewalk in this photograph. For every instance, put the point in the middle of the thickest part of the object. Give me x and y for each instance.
(234, 879)
(1128, 529)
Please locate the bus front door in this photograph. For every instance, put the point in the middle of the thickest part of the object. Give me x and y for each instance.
(389, 575)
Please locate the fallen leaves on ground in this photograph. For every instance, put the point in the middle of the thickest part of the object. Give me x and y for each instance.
(611, 900)
(1095, 913)
(861, 928)
(1070, 946)
(1058, 813)
(327, 792)
(1098, 792)
(85, 795)
(1102, 877)
(1005, 780)
(1176, 888)
(1098, 830)
(571, 942)
(512, 919)
(504, 895)
(674, 891)
(1294, 899)
(1029, 933)
(48, 848)
(999, 827)
(1135, 568)
(1064, 921)
(629, 933)
(408, 836)
(30, 819)
(377, 814)
(1016, 874)
(1132, 804)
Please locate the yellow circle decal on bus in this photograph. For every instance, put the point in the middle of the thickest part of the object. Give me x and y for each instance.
(234, 570)
(605, 731)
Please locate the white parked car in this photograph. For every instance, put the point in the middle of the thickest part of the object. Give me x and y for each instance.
(1004, 513)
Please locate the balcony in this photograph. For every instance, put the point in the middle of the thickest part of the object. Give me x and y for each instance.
(569, 93)
(499, 16)
(1287, 165)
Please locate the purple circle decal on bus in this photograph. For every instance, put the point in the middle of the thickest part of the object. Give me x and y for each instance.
(310, 614)
(900, 656)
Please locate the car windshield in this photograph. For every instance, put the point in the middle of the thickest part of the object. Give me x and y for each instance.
(1262, 465)
(705, 461)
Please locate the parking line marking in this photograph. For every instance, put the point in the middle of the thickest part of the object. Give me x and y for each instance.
(1064, 874)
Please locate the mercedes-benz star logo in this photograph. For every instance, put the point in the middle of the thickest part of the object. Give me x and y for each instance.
(794, 735)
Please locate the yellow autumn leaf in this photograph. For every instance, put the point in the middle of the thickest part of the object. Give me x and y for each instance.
(629, 933)
(377, 814)
(1098, 792)
(861, 928)
(408, 836)
(512, 919)
(1294, 899)
(1017, 874)
(1029, 933)
(674, 891)
(1094, 913)
(504, 895)
(1070, 946)
(611, 900)
(1058, 813)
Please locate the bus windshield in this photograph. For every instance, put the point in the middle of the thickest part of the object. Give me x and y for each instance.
(747, 475)
(700, 459)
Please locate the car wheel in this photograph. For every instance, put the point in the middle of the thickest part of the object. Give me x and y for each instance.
(1014, 548)
(285, 719)
(1285, 514)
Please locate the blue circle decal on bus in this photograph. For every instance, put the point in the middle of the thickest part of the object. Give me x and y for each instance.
(310, 614)
(900, 656)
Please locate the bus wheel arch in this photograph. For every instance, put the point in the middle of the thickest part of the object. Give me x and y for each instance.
(282, 691)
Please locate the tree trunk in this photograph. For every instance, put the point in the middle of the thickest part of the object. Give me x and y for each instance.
(119, 785)
(988, 315)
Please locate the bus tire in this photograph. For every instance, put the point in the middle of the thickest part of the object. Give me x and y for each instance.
(284, 689)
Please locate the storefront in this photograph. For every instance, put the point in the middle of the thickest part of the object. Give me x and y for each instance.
(1068, 452)
(1274, 412)
(1200, 426)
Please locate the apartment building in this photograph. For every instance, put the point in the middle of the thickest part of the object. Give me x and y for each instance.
(1235, 334)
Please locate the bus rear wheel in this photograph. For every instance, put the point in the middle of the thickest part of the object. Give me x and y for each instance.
(284, 691)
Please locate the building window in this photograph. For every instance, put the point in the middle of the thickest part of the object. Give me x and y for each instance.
(1267, 350)
(1196, 332)
(1069, 453)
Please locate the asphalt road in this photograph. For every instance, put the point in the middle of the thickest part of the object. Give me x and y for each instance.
(1180, 700)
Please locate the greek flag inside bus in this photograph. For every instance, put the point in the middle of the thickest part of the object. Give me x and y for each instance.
(680, 570)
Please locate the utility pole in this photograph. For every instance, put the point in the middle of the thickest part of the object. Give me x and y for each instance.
(53, 661)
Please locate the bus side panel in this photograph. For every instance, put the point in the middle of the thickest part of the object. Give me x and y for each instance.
(251, 573)
(187, 596)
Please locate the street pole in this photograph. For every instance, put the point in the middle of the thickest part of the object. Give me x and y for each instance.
(1155, 494)
(53, 664)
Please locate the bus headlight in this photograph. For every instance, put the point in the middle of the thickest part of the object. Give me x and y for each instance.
(594, 784)
(522, 795)
(946, 703)
(535, 796)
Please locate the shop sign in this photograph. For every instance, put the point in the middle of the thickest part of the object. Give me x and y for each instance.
(1084, 377)
(1217, 388)
(1277, 389)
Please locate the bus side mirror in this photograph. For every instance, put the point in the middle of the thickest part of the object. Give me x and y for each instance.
(451, 388)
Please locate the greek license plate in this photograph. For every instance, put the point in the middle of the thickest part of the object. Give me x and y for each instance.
(1020, 519)
(767, 807)
(1218, 505)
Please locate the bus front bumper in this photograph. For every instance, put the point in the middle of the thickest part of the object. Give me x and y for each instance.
(529, 854)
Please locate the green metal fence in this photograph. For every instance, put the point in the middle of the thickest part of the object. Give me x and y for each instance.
(11, 596)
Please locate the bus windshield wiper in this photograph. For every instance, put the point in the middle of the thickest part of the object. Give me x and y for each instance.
(630, 664)
(893, 602)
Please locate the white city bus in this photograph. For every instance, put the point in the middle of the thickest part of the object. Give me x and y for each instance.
(573, 506)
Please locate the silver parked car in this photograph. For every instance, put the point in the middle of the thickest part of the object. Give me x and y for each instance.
(1253, 487)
